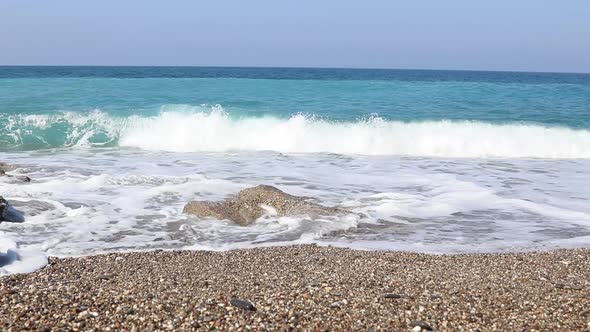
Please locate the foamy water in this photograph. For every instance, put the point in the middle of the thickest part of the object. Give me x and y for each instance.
(180, 128)
(86, 201)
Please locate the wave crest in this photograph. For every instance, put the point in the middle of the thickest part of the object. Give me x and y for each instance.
(214, 130)
(62, 129)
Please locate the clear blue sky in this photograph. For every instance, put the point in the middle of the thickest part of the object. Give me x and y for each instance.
(528, 35)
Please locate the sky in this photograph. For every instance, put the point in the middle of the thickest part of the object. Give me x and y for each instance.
(514, 35)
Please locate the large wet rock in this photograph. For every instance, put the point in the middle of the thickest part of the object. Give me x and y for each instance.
(252, 203)
(8, 213)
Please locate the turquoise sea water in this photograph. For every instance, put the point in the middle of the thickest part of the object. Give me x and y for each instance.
(437, 161)
(96, 105)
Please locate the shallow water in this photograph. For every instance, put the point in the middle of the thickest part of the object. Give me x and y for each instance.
(87, 201)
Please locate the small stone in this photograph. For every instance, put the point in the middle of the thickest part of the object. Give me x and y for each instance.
(105, 276)
(242, 304)
(422, 325)
(392, 296)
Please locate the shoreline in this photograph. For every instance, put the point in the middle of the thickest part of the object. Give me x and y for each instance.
(303, 287)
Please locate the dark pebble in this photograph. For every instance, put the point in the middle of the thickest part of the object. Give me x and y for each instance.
(423, 325)
(105, 276)
(242, 304)
(392, 296)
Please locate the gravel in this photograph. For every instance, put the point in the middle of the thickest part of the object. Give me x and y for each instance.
(307, 288)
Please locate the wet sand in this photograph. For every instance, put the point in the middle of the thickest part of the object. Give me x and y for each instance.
(302, 288)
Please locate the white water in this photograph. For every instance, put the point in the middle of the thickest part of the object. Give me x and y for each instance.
(193, 129)
(86, 201)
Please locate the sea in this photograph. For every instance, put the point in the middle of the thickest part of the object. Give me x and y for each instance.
(443, 162)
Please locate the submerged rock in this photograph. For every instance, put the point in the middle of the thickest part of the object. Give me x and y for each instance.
(9, 257)
(21, 178)
(7, 167)
(8, 213)
(252, 203)
(4, 167)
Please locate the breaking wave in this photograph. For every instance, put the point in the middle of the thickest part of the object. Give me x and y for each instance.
(188, 129)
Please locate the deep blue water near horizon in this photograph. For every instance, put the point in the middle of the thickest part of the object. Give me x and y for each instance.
(298, 73)
(431, 161)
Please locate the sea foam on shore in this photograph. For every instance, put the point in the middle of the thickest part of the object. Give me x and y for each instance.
(84, 201)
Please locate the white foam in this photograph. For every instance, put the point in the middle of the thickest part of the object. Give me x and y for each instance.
(217, 131)
(182, 128)
(88, 201)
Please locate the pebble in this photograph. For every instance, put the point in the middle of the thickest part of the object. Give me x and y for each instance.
(421, 325)
(243, 304)
(106, 276)
(472, 291)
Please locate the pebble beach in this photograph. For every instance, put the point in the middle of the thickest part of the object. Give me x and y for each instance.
(302, 288)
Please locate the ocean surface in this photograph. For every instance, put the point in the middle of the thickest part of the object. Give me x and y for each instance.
(428, 161)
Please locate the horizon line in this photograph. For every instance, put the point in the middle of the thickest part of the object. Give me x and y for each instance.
(305, 67)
